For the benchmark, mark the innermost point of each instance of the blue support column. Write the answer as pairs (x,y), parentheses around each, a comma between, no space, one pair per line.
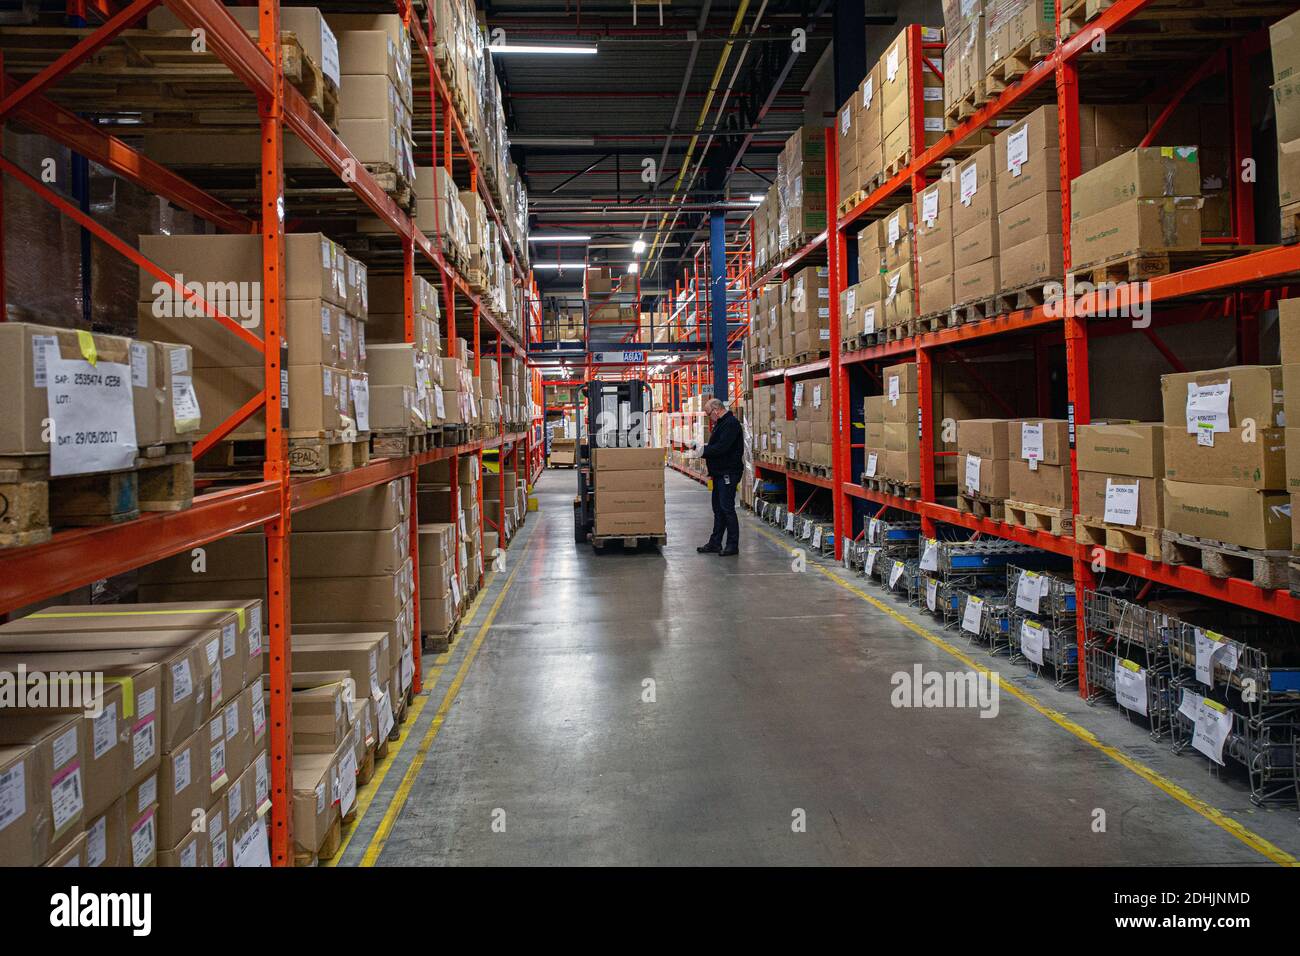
(718,301)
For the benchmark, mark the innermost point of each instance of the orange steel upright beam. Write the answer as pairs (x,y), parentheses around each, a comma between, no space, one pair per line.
(270,108)
(916,65)
(1076,329)
(836,278)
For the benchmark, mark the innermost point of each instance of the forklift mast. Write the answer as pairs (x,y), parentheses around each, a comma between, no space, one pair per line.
(617,416)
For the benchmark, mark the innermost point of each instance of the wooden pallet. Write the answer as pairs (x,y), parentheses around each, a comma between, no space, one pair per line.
(981,506)
(1018,62)
(931,322)
(978,310)
(33,504)
(888,486)
(627,541)
(1054,521)
(1138,266)
(1094,533)
(1219,559)
(1074,15)
(1293,568)
(820,471)
(852,202)
(328,849)
(398,444)
(965,106)
(803,358)
(1291,222)
(158,76)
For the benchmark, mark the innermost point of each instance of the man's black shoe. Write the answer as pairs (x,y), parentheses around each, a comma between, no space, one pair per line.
(728,553)
(709,549)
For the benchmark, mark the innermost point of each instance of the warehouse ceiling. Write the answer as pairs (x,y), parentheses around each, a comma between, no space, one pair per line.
(603,140)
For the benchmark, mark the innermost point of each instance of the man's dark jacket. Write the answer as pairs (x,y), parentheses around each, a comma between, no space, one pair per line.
(724,454)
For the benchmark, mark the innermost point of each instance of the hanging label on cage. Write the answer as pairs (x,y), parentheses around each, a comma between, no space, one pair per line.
(893,390)
(817,537)
(873,531)
(1208,405)
(895,573)
(973,615)
(968,184)
(931,593)
(1212,724)
(1212,649)
(871,465)
(91,411)
(973,474)
(1131,686)
(1031,441)
(930,555)
(1017,149)
(930,206)
(1031,641)
(789,521)
(1121,503)
(1029,591)
(870,564)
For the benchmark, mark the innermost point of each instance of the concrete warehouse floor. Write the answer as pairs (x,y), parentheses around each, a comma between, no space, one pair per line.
(772,695)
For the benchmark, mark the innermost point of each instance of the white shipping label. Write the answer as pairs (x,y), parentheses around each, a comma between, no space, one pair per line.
(1212,649)
(1205,434)
(893,390)
(1030,589)
(181,771)
(894,228)
(1131,686)
(384,709)
(13,793)
(1031,641)
(1017,149)
(437,402)
(360,386)
(891,64)
(869,565)
(105,731)
(930,555)
(798,394)
(817,396)
(65,749)
(868,91)
(252,849)
(1031,441)
(97,843)
(255,631)
(931,593)
(817,537)
(871,464)
(40,374)
(1212,722)
(973,474)
(851,299)
(143,841)
(930,206)
(846,114)
(1121,502)
(180,361)
(1207,405)
(329,54)
(893,284)
(93,415)
(144,741)
(869,319)
(972,617)
(347,781)
(896,573)
(186,415)
(229,640)
(969,179)
(139,365)
(66,797)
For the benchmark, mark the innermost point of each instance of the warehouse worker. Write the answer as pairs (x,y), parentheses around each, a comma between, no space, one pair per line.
(723,456)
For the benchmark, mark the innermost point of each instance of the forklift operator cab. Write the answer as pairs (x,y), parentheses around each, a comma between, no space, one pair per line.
(615,415)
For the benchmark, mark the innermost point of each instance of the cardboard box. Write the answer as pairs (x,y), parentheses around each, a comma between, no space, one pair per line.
(1135,449)
(1255,392)
(189,777)
(1047,485)
(1053,437)
(363,655)
(975,245)
(978,281)
(1143,225)
(375,508)
(1035,218)
(1157,172)
(630,523)
(985,437)
(626,459)
(937,295)
(40,764)
(1150,497)
(1233,515)
(1258,464)
(873,408)
(974,200)
(1288,323)
(899,379)
(992,474)
(1027,159)
(1033,261)
(314,808)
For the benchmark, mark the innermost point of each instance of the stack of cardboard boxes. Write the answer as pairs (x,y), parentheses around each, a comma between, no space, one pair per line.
(1027,183)
(435,505)
(983,461)
(1284,39)
(808,305)
(403,377)
(1143,201)
(439,212)
(629,486)
(1039,471)
(181,737)
(1121,473)
(934,252)
(768,431)
(801,184)
(439,587)
(1019,31)
(324,321)
(1225,455)
(812,424)
(964,55)
(1289,338)
(976,273)
(329,724)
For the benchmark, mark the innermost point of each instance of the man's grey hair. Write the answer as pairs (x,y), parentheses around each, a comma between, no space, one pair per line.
(715,403)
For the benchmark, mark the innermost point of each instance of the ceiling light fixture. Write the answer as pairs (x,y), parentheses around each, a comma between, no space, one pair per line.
(545,48)
(556,237)
(638,247)
(559,265)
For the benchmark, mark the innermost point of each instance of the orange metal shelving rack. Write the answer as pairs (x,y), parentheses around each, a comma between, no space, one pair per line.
(1243,285)
(77,557)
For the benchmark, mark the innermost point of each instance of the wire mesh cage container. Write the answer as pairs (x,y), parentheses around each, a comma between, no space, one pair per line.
(899,576)
(982,618)
(940,599)
(1141,693)
(1240,663)
(1044,647)
(854,553)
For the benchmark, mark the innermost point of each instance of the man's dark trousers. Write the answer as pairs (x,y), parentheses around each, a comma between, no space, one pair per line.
(724,512)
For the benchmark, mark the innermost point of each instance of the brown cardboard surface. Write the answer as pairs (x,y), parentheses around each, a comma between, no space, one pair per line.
(1141,225)
(1046,485)
(1258,464)
(1150,173)
(1150,499)
(1288,312)
(978,281)
(988,438)
(646,500)
(1034,144)
(630,523)
(976,244)
(626,459)
(377,507)
(1036,217)
(1034,261)
(1056,439)
(1136,449)
(980,206)
(994,475)
(1256,392)
(1233,515)
(937,294)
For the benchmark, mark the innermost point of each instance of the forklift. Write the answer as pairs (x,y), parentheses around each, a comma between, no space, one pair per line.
(614,415)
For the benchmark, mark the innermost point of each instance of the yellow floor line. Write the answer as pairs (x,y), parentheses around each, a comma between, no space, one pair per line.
(403,793)
(367,796)
(1192,802)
